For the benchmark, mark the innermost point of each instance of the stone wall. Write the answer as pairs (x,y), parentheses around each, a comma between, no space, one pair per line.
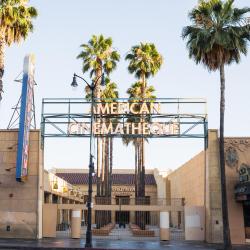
(20,203)
(187,183)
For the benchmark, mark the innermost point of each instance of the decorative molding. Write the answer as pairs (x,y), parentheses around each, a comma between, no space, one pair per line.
(240,144)
(231,147)
(231,157)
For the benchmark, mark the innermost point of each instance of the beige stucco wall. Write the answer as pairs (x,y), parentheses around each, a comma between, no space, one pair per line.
(161,183)
(20,203)
(188,181)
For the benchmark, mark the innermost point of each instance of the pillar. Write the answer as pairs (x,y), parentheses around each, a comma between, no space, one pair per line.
(50,200)
(68,212)
(214,226)
(76,224)
(164,226)
(113,216)
(60,210)
(132,217)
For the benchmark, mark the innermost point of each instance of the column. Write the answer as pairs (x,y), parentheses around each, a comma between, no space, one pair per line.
(113,216)
(164,226)
(76,224)
(214,226)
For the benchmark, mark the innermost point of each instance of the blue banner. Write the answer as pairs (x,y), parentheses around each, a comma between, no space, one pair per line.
(25,119)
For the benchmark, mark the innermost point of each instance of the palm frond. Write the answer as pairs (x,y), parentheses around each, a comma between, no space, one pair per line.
(16,20)
(98,55)
(217,35)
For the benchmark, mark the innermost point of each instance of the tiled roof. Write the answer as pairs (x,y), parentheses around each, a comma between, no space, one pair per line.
(118,179)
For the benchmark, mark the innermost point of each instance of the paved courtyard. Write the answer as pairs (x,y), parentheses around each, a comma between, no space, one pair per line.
(107,244)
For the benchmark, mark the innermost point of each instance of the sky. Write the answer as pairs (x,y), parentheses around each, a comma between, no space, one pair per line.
(62,26)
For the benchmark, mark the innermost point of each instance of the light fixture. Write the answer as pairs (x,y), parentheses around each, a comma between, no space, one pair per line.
(74,84)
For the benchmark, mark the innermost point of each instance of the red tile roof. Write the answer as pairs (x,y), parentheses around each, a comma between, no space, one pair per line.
(118,179)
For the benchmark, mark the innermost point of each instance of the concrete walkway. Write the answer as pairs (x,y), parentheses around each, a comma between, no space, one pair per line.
(107,244)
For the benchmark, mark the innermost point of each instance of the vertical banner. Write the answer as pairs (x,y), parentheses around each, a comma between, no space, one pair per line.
(25,118)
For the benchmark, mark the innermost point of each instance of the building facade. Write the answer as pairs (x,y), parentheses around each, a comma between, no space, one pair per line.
(123,190)
(27,209)
(198,183)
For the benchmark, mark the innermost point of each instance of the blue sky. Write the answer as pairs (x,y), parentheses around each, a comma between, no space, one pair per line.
(60,29)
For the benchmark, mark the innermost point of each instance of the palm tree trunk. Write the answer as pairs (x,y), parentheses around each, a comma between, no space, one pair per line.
(139,169)
(226,230)
(103,166)
(98,168)
(143,168)
(2,50)
(106,166)
(142,180)
(98,179)
(136,170)
(110,174)
(110,166)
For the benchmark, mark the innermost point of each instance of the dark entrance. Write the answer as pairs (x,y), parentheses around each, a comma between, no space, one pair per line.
(246,210)
(122,217)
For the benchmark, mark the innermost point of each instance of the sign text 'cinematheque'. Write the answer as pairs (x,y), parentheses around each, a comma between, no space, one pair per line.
(109,120)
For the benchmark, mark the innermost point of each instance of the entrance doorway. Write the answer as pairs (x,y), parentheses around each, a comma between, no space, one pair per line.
(122,217)
(246,211)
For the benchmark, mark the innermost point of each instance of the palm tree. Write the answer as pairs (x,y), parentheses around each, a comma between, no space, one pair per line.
(135,95)
(144,62)
(98,56)
(15,25)
(110,94)
(217,37)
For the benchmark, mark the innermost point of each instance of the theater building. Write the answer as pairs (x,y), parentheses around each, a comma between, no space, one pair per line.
(74,182)
(29,209)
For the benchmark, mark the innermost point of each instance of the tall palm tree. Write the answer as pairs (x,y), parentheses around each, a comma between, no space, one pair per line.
(110,94)
(15,24)
(98,56)
(144,62)
(135,95)
(217,37)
